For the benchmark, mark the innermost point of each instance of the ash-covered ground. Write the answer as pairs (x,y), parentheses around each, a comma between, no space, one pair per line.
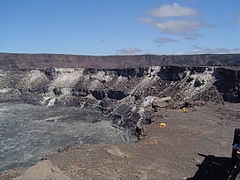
(28,132)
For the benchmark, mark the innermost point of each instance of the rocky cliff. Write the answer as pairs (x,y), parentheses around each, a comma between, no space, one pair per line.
(124,94)
(111,84)
(43,61)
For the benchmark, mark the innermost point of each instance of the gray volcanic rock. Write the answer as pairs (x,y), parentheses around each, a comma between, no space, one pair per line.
(98,94)
(57,91)
(85,87)
(118,95)
(172,73)
(51,73)
(197,83)
(28,133)
(228,83)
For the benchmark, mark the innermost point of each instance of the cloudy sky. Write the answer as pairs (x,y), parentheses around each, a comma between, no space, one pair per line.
(115,27)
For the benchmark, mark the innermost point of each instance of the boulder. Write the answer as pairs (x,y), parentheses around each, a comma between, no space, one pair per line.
(161,102)
(51,73)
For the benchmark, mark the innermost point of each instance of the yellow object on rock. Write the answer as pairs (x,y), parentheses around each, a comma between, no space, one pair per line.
(162,124)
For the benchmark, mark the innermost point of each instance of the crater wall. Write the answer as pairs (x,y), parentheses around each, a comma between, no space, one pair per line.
(124,94)
(43,61)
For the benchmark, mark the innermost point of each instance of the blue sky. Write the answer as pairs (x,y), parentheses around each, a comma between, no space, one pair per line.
(114,27)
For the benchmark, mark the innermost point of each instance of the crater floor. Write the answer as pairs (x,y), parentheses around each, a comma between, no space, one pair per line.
(29,132)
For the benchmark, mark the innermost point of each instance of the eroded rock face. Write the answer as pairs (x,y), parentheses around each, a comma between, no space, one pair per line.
(76,86)
(43,61)
(172,73)
(131,72)
(119,92)
(228,83)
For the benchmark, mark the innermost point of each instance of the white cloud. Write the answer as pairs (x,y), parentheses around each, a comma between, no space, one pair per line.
(130,51)
(162,40)
(181,27)
(238,20)
(173,10)
(186,27)
(215,51)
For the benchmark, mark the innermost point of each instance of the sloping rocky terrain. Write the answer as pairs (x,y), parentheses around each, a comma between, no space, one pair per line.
(123,94)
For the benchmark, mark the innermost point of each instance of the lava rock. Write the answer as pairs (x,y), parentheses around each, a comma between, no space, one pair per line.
(36,90)
(131,72)
(116,119)
(194,70)
(80,92)
(98,94)
(197,83)
(57,91)
(172,73)
(146,120)
(189,79)
(118,95)
(228,84)
(51,73)
(103,81)
(90,71)
(123,110)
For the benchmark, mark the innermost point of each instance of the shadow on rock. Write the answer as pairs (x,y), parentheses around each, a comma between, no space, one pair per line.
(213,168)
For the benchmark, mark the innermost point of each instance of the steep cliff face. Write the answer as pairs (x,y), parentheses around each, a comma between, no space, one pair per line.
(67,86)
(228,84)
(43,61)
(124,94)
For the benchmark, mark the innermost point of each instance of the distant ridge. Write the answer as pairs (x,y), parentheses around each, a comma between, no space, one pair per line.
(43,61)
